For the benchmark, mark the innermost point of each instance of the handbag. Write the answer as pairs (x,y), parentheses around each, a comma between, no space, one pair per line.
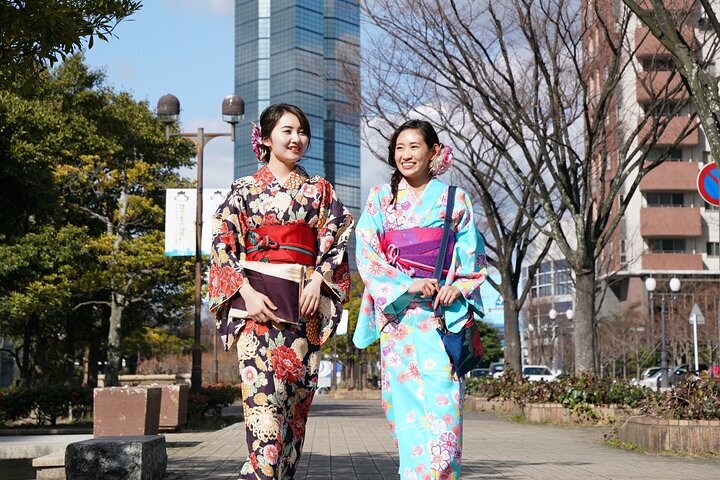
(465,347)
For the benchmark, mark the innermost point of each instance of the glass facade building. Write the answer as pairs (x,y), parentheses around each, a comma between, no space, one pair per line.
(303,52)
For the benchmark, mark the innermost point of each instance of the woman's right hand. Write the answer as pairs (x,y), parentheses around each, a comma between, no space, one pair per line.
(259,306)
(426,287)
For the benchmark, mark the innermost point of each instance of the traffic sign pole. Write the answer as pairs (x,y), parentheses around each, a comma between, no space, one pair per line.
(695,345)
(696,316)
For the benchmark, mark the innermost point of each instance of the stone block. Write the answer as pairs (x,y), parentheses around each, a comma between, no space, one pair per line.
(173,407)
(49,467)
(121,411)
(117,458)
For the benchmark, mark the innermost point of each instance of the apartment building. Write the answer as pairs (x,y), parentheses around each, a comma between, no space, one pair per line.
(667,229)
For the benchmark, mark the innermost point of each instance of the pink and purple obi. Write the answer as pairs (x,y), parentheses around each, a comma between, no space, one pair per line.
(414,251)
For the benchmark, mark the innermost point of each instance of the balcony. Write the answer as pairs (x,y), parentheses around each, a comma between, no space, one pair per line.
(647,46)
(655,85)
(670,222)
(669,132)
(672,261)
(671,177)
(673,5)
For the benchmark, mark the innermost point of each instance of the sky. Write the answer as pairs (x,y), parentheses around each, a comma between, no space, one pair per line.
(186,47)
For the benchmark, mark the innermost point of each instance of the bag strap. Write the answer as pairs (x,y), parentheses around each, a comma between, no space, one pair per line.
(440,262)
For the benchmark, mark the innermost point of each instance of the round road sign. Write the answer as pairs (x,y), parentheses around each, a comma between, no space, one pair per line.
(707,184)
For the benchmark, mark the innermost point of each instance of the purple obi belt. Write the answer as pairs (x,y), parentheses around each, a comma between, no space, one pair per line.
(414,251)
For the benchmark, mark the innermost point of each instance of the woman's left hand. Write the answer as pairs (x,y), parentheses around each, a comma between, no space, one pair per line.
(310,297)
(447,295)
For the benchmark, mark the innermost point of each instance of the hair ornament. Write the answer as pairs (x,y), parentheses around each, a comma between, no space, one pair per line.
(442,162)
(256,141)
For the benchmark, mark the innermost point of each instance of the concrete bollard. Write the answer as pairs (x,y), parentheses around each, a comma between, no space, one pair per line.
(123,411)
(173,407)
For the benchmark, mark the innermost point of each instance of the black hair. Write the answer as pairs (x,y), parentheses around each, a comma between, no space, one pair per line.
(270,118)
(429,135)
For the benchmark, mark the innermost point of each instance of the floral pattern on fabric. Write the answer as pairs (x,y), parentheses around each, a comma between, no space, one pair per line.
(278,363)
(278,383)
(258,201)
(421,395)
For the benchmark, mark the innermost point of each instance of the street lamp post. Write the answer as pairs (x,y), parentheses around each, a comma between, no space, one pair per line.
(569,314)
(650,284)
(168,111)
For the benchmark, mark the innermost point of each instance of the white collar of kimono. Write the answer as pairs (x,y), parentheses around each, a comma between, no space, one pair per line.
(434,188)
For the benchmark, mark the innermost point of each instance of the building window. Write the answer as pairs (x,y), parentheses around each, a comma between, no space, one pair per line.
(667,245)
(673,155)
(663,199)
(658,65)
(713,249)
(668,109)
(623,252)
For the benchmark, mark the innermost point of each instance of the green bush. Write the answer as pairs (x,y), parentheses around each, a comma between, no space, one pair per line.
(46,403)
(14,405)
(573,392)
(693,399)
(213,398)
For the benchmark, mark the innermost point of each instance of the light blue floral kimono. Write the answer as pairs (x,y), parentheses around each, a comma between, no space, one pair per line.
(421,395)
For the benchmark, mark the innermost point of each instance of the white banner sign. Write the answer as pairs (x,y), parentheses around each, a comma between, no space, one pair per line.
(180,219)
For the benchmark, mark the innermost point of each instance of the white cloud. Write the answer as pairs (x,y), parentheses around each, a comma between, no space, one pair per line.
(373,172)
(214,7)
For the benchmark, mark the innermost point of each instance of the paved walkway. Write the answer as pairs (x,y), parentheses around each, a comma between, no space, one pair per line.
(349,440)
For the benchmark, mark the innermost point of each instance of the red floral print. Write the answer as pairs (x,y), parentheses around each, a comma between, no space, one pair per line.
(287,364)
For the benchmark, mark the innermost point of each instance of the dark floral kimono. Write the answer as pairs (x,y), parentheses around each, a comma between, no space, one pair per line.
(278,361)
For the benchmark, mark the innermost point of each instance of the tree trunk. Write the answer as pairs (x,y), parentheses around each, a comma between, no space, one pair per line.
(584,328)
(117,302)
(26,368)
(513,355)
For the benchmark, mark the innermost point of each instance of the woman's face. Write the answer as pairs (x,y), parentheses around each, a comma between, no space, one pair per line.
(287,141)
(413,155)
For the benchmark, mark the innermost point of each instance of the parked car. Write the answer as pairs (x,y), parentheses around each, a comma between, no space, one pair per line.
(651,381)
(496,368)
(535,373)
(479,372)
(645,377)
(686,370)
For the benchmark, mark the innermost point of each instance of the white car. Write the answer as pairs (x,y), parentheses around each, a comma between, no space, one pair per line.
(651,381)
(535,373)
(648,378)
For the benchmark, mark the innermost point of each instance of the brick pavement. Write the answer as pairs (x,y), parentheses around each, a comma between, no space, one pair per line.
(349,440)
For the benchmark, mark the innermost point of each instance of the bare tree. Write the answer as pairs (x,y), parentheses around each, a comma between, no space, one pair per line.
(537,80)
(388,99)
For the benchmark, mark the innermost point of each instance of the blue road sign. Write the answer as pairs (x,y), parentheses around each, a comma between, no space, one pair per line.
(707,184)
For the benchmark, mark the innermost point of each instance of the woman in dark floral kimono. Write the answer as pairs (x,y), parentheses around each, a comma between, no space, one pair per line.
(278,277)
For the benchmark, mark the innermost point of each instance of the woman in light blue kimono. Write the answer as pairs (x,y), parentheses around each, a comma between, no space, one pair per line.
(398,239)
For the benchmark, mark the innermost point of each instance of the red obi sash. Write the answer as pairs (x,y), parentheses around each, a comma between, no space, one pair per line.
(414,251)
(292,243)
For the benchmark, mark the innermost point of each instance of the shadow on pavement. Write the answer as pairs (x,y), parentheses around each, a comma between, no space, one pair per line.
(355,408)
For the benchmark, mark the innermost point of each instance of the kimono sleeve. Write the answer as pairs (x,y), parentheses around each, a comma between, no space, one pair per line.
(386,284)
(334,229)
(226,274)
(470,265)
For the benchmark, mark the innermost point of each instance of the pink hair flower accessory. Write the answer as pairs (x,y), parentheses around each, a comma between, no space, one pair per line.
(256,141)
(442,162)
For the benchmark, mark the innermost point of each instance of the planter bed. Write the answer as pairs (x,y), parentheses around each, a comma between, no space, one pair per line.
(661,434)
(553,413)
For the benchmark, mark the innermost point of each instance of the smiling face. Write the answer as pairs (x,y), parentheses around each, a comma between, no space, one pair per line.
(287,141)
(413,156)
